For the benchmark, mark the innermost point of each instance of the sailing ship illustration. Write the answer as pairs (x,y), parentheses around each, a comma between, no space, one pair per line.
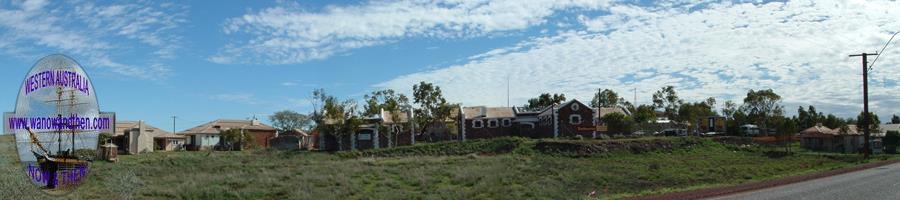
(61,168)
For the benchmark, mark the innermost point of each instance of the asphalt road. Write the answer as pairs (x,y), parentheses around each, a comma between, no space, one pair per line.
(876,183)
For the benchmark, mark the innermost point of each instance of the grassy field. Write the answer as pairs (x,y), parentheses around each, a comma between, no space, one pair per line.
(507,168)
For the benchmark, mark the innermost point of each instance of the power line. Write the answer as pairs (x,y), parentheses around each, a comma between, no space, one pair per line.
(882,50)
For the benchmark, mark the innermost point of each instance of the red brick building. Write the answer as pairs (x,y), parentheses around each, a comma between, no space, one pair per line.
(566,120)
(486,122)
(207,135)
(563,120)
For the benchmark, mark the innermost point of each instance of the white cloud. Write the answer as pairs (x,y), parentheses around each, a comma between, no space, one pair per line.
(798,48)
(288,34)
(102,34)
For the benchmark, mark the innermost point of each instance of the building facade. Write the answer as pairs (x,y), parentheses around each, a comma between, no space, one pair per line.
(567,120)
(385,129)
(486,122)
(135,137)
(206,136)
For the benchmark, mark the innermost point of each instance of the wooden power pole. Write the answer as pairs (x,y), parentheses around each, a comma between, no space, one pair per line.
(865,120)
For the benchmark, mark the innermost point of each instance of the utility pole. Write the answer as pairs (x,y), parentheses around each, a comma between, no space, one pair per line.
(635,98)
(865,119)
(173,124)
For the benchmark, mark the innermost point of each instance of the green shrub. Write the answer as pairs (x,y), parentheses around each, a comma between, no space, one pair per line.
(481,146)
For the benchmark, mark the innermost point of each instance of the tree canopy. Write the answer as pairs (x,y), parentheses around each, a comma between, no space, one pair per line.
(232,137)
(432,107)
(544,100)
(644,113)
(333,116)
(691,112)
(385,99)
(389,101)
(287,120)
(762,105)
(873,124)
(617,122)
(667,99)
(606,98)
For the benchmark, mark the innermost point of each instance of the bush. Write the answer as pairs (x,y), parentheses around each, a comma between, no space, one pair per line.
(890,141)
(482,146)
(635,146)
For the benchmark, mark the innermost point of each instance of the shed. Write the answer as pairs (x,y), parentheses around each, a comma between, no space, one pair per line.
(109,152)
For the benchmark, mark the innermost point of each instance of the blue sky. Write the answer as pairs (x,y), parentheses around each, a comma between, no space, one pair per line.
(204,60)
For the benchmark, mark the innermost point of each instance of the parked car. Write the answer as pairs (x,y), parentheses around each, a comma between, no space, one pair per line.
(750,130)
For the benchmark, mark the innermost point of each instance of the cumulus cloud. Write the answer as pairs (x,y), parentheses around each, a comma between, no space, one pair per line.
(718,49)
(102,34)
(289,34)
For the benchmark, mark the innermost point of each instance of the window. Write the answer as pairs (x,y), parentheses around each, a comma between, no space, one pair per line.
(575,119)
(365,136)
(507,122)
(575,107)
(477,124)
(493,123)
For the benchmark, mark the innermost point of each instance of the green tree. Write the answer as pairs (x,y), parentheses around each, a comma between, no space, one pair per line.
(390,101)
(617,123)
(343,120)
(895,119)
(644,113)
(606,98)
(544,100)
(761,106)
(729,109)
(873,125)
(711,102)
(319,98)
(815,117)
(692,112)
(891,140)
(287,120)
(233,138)
(334,117)
(787,127)
(833,121)
(803,118)
(432,107)
(738,118)
(667,99)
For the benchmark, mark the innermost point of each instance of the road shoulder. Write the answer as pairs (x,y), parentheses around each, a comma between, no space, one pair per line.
(747,187)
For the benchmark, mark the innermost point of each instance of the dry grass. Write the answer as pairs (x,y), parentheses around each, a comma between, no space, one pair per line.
(527,175)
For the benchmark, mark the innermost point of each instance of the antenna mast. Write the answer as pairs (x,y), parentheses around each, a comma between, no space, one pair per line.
(507,90)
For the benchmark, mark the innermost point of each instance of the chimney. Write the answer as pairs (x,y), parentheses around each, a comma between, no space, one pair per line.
(254,122)
(818,124)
